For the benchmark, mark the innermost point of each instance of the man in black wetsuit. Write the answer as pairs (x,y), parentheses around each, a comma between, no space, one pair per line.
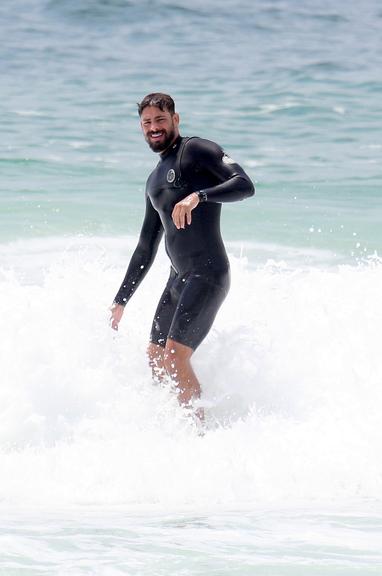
(184,194)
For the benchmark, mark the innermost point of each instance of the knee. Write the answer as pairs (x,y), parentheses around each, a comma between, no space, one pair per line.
(176,357)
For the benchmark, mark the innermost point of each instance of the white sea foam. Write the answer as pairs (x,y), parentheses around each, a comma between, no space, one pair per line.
(270,108)
(291,374)
(29,113)
(79,144)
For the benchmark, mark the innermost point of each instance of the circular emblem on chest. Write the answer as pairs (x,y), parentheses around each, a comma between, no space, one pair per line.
(171,175)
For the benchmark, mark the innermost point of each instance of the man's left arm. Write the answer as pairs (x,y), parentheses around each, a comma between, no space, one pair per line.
(234,184)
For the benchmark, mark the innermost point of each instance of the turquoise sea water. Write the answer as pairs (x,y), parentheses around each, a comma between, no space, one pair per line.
(290,89)
(102,473)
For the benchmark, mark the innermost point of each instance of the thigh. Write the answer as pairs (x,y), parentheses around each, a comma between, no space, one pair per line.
(196,310)
(165,311)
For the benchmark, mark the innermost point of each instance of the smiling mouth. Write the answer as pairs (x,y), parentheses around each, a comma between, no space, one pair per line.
(157,135)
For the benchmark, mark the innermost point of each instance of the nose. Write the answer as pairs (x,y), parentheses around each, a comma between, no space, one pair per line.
(154,126)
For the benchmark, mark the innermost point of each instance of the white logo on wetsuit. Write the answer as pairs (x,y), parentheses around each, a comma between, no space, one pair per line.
(227,160)
(171,175)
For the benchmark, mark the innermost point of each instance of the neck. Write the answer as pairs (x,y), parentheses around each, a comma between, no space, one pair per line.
(164,152)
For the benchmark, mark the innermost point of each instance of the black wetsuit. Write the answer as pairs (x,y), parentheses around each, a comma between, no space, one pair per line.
(199,278)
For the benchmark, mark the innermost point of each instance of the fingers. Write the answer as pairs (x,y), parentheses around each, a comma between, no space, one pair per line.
(116,315)
(181,214)
(113,321)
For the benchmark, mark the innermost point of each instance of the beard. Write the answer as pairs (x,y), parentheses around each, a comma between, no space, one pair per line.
(162,145)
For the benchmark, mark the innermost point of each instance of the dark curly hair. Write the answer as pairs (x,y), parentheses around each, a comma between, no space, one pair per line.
(161,101)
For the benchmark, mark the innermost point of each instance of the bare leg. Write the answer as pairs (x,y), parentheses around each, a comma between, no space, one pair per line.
(174,361)
(155,355)
(178,366)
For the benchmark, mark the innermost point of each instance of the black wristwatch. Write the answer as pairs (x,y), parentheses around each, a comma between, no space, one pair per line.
(202,195)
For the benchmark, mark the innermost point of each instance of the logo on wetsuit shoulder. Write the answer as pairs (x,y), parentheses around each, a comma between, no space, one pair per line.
(171,176)
(227,160)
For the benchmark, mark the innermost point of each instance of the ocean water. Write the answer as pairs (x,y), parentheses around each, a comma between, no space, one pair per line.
(101,472)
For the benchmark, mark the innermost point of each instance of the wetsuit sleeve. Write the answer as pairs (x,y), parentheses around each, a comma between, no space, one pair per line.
(144,254)
(234,184)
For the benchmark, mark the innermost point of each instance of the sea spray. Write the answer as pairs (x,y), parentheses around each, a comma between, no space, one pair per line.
(291,376)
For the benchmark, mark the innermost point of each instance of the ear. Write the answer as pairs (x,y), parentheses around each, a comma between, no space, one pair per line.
(176,119)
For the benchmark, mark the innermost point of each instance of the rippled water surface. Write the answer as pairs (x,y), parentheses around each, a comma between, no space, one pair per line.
(101,472)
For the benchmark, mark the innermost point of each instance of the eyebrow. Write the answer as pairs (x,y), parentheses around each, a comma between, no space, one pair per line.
(159,117)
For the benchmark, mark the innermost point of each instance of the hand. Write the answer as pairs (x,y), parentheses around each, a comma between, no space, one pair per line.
(181,215)
(117,311)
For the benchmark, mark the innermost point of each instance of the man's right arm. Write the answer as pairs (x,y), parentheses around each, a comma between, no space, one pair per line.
(143,256)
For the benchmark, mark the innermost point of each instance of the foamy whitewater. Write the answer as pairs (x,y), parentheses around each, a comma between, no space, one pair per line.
(101,472)
(291,377)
